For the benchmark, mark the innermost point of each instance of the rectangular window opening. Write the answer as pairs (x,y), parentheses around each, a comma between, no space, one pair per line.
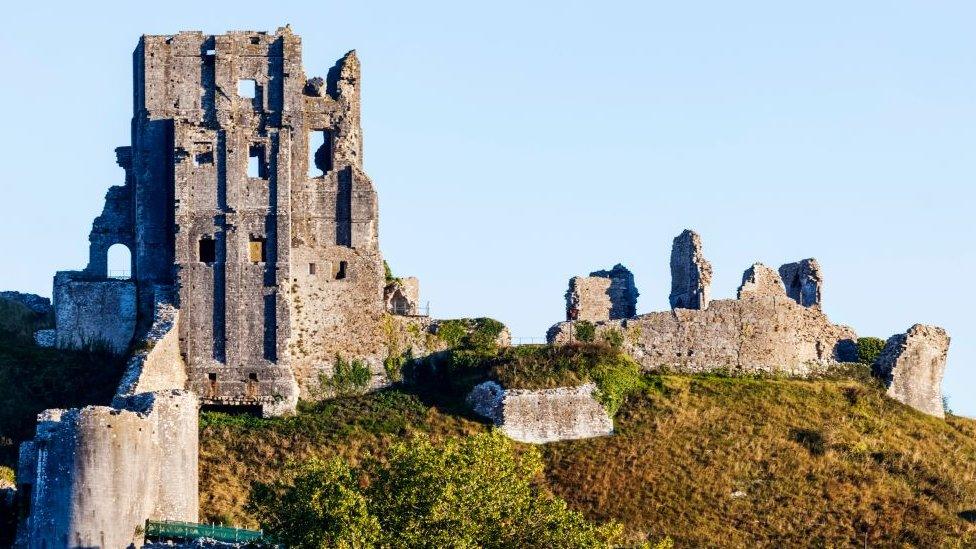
(319,152)
(252,377)
(256,249)
(212,377)
(247,88)
(204,157)
(256,167)
(207,250)
(311,268)
(340,272)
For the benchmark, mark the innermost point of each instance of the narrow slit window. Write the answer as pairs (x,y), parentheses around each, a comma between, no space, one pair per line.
(255,162)
(311,268)
(247,88)
(319,152)
(340,272)
(256,249)
(207,250)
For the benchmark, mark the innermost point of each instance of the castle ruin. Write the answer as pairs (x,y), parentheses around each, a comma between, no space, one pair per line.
(245,192)
(774,326)
(255,266)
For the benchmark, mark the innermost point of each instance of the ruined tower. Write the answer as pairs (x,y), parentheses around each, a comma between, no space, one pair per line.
(244,192)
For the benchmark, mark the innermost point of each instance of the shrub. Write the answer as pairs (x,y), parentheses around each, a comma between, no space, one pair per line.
(584,330)
(868,349)
(615,374)
(322,507)
(394,363)
(474,491)
(348,377)
(614,338)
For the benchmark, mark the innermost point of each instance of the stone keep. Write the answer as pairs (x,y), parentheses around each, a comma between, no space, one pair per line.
(244,190)
(691,273)
(603,295)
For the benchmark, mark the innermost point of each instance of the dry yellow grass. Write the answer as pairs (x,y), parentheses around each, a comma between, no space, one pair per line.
(709,461)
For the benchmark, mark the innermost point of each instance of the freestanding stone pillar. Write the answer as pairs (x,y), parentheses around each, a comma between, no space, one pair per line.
(691,273)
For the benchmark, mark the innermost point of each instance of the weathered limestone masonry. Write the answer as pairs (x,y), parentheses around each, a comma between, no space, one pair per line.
(912,365)
(255,264)
(542,415)
(402,296)
(603,295)
(92,476)
(691,273)
(93,311)
(766,330)
(244,191)
(804,281)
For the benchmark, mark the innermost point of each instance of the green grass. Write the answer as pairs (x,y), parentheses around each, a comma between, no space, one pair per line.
(707,460)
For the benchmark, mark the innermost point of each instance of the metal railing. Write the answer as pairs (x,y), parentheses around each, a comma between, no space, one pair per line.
(188,531)
(410,310)
(516,341)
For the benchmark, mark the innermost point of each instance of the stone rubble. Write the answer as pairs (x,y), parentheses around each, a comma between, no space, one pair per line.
(539,416)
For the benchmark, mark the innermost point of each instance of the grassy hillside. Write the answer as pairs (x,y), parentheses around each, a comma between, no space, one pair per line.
(705,460)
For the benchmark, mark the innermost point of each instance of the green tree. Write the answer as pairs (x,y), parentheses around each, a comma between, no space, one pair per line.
(868,349)
(477,491)
(321,507)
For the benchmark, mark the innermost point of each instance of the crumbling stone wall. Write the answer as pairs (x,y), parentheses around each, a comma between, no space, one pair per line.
(762,331)
(157,364)
(912,365)
(803,281)
(750,335)
(603,295)
(760,281)
(542,415)
(93,311)
(95,474)
(402,296)
(691,273)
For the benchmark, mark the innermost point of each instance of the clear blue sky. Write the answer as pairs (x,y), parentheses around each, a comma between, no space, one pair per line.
(517,145)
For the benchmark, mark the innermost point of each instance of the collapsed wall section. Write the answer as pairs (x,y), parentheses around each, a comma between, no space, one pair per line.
(91,477)
(603,295)
(912,365)
(803,281)
(542,415)
(94,475)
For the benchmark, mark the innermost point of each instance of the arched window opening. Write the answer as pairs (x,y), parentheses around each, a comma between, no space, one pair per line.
(119,262)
